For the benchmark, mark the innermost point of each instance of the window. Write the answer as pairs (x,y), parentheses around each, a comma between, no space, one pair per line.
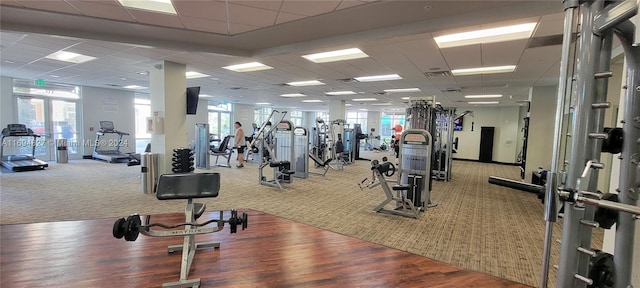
(220,120)
(260,115)
(357,118)
(388,122)
(296,118)
(142,111)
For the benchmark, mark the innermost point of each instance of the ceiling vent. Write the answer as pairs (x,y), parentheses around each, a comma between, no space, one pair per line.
(237,88)
(451,90)
(281,85)
(550,40)
(442,73)
(112,85)
(381,93)
(347,80)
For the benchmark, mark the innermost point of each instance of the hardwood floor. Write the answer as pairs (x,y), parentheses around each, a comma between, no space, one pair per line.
(272,252)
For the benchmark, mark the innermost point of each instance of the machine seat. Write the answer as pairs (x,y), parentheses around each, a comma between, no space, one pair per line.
(278,164)
(188,186)
(400,187)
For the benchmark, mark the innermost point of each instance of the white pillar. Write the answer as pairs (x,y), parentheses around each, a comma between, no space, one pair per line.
(168,85)
(542,115)
(7,115)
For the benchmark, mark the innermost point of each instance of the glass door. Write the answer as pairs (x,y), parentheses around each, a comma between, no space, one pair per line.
(225,124)
(32,112)
(52,119)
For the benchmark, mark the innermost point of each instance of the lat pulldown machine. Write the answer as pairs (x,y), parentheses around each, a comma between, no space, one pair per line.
(580,265)
(183,186)
(268,147)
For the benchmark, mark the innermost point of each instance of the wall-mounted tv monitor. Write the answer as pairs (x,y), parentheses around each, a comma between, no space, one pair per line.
(457,124)
(192,100)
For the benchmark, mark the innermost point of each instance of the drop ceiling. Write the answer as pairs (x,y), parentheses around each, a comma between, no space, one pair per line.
(207,35)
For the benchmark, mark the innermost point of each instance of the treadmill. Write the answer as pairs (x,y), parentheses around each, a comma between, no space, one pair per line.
(22,162)
(101,150)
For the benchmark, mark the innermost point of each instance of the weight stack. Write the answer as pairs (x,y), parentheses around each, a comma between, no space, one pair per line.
(183,160)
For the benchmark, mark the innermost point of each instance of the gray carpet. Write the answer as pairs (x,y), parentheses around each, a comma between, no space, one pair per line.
(477,226)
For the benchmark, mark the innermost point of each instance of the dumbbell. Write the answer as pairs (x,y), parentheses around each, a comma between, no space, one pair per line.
(234,221)
(127,228)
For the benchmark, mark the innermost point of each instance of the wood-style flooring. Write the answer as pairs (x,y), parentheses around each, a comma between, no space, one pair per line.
(272,252)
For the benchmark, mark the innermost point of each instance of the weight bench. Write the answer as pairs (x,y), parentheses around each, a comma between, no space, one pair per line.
(224,151)
(324,165)
(183,186)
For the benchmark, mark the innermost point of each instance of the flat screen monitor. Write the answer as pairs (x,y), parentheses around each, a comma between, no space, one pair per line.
(192,100)
(457,124)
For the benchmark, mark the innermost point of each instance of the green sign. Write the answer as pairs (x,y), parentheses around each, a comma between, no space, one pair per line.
(40,82)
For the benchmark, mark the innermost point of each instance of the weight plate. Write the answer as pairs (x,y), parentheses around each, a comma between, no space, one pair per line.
(119,228)
(133,223)
(602,271)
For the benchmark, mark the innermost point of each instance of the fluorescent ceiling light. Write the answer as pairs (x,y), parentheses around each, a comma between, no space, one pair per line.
(405,98)
(160,6)
(362,109)
(492,35)
(134,87)
(484,103)
(348,104)
(305,83)
(262,103)
(380,104)
(67,56)
(311,101)
(337,93)
(402,90)
(484,96)
(483,70)
(194,74)
(292,95)
(365,99)
(206,96)
(248,67)
(337,55)
(378,78)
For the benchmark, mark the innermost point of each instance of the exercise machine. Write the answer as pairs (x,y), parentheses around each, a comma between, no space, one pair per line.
(444,142)
(265,140)
(184,187)
(101,149)
(20,162)
(415,167)
(223,150)
(421,116)
(404,206)
(573,182)
(320,142)
(301,152)
(202,146)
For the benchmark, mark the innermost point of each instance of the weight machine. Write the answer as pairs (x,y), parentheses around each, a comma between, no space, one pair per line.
(404,206)
(421,115)
(580,265)
(183,186)
(320,142)
(301,152)
(415,167)
(267,146)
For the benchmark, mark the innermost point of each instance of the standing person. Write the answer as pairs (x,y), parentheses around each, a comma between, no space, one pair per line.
(240,143)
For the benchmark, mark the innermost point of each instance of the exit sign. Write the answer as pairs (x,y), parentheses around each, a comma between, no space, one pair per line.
(40,82)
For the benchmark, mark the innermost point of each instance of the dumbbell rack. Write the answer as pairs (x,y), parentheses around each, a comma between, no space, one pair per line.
(599,21)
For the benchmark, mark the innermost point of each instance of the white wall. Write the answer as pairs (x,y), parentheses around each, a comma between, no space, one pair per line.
(504,119)
(541,127)
(7,115)
(111,105)
(243,113)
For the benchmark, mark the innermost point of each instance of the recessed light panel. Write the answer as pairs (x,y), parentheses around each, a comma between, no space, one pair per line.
(387,77)
(263,103)
(248,67)
(305,83)
(337,55)
(483,70)
(71,57)
(483,96)
(338,93)
(312,101)
(364,99)
(484,36)
(402,90)
(158,6)
(484,103)
(293,95)
(194,75)
(136,87)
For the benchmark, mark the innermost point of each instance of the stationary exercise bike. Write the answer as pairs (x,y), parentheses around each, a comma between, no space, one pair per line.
(404,205)
(183,186)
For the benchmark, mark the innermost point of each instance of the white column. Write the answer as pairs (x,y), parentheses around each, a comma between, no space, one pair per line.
(168,85)
(7,115)
(336,109)
(542,116)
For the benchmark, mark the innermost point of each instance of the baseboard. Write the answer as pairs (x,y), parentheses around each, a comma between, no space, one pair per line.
(493,162)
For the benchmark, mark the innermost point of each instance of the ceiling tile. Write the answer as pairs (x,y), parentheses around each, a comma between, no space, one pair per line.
(309,8)
(206,9)
(263,4)
(158,19)
(101,10)
(237,28)
(550,25)
(284,17)
(503,53)
(205,25)
(51,5)
(463,57)
(13,3)
(251,16)
(349,4)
